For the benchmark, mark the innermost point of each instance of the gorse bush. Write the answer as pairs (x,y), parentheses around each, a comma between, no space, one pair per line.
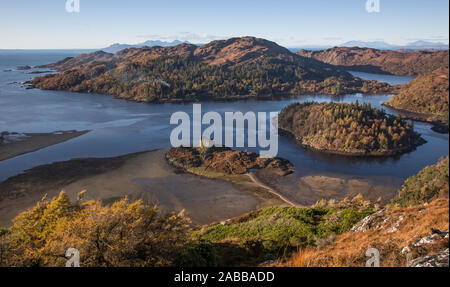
(132,234)
(3,231)
(123,234)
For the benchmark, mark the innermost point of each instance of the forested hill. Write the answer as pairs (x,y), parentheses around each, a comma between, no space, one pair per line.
(233,68)
(426,95)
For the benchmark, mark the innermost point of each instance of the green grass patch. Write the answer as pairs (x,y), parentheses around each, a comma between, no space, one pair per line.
(286,227)
(217,175)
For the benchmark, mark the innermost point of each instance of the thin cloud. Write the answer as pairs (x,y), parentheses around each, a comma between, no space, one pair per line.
(438,38)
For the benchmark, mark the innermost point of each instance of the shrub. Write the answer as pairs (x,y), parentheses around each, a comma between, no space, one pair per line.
(123,234)
(3,231)
(429,183)
(286,228)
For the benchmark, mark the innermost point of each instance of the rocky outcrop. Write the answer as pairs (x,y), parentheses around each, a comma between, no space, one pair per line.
(440,259)
(369,222)
(383,221)
(23,68)
(436,238)
(380,220)
(433,238)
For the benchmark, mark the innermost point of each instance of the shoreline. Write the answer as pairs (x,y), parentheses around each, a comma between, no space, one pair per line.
(418,141)
(237,178)
(266,97)
(31,142)
(149,177)
(437,126)
(232,98)
(142,176)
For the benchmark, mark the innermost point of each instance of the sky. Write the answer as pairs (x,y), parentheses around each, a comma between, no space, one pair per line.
(46,24)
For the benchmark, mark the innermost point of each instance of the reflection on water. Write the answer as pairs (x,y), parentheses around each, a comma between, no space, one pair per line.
(120,127)
(390,79)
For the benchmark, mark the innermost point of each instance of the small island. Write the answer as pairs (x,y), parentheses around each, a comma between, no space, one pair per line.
(223,161)
(347,129)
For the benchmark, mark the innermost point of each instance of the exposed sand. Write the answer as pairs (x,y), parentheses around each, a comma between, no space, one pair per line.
(308,189)
(35,141)
(144,176)
(147,176)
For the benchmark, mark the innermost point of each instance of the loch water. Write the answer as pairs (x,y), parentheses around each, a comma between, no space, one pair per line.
(119,127)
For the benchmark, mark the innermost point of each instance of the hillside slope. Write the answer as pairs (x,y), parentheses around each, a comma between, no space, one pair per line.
(427,95)
(413,231)
(381,61)
(429,183)
(233,68)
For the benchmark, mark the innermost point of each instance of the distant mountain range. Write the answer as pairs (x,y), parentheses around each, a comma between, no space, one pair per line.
(417,45)
(381,45)
(117,46)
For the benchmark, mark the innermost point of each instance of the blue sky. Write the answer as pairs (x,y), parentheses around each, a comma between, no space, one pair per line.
(43,24)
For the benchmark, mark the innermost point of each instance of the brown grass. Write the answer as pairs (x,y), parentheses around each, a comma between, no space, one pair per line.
(349,249)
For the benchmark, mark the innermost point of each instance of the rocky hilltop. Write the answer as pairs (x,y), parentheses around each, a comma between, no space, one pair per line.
(226,69)
(426,97)
(381,61)
(238,50)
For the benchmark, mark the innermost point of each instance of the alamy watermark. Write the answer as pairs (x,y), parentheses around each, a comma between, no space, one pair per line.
(374,257)
(373,6)
(74,257)
(258,133)
(374,260)
(73,6)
